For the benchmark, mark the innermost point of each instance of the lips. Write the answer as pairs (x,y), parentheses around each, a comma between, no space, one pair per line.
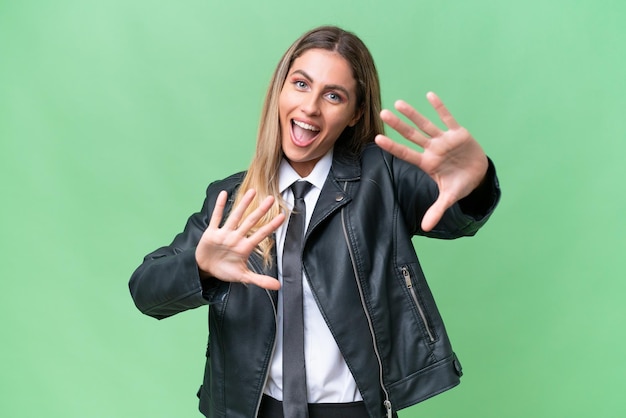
(302,133)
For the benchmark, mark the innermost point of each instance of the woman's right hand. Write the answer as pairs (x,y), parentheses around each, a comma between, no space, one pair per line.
(223,252)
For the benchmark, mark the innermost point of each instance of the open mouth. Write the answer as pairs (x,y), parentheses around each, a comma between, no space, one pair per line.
(302,133)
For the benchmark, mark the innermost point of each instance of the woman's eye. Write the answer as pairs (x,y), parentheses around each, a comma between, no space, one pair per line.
(334,97)
(300,84)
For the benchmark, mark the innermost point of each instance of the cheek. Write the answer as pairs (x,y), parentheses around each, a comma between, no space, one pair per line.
(283,104)
(281,107)
(342,121)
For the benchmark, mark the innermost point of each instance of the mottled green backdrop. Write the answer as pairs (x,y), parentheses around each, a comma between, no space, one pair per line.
(115,115)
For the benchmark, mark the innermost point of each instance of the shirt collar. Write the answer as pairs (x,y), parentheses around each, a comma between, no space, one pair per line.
(287,175)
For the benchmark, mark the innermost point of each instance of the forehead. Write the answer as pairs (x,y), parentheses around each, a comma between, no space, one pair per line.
(324,67)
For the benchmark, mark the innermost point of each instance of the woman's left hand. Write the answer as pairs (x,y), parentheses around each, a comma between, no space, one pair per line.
(452,157)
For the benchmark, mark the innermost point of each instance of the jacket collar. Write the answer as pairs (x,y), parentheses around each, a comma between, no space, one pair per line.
(345,168)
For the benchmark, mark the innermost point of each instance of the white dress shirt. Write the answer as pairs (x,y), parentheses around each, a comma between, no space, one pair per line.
(327,375)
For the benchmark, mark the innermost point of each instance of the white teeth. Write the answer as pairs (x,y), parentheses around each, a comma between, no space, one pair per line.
(306,126)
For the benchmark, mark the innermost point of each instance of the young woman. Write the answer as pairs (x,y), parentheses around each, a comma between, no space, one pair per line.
(374,341)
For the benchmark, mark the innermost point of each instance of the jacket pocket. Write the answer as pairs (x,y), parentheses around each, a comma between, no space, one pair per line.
(407,276)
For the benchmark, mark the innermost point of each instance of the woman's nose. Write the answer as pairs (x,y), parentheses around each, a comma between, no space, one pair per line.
(311,106)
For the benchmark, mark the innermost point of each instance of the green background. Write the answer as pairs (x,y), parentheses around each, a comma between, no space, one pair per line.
(115,115)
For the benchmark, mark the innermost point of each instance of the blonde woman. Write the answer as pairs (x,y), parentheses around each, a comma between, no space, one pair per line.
(368,337)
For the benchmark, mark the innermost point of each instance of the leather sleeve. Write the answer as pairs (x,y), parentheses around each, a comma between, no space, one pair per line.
(483,200)
(168,280)
(416,192)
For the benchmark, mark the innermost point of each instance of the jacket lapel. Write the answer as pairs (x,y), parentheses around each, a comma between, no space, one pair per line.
(333,196)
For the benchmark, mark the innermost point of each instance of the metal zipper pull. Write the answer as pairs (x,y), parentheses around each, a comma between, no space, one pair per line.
(407,277)
(409,285)
(387,404)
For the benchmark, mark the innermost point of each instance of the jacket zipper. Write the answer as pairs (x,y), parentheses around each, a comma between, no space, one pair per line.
(409,285)
(386,402)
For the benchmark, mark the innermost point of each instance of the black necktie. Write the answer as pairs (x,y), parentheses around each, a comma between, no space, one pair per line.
(294,372)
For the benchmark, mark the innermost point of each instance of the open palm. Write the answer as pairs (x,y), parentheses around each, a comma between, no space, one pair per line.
(223,251)
(452,157)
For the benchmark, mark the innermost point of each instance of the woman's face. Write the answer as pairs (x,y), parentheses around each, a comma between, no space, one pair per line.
(316,103)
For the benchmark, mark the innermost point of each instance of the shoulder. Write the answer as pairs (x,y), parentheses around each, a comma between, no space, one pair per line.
(230,184)
(373,155)
(373,163)
(376,161)
(368,161)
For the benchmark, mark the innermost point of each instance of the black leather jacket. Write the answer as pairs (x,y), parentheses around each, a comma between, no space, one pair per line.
(364,274)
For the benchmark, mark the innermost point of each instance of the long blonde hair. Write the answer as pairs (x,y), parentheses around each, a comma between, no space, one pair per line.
(262,175)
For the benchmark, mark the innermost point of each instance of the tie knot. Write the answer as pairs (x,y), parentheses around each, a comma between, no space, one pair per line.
(300,189)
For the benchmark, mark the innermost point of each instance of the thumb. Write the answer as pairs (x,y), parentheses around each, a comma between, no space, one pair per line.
(434,213)
(262,281)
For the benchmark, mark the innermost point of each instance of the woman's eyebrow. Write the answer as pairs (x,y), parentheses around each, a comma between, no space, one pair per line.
(328,86)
